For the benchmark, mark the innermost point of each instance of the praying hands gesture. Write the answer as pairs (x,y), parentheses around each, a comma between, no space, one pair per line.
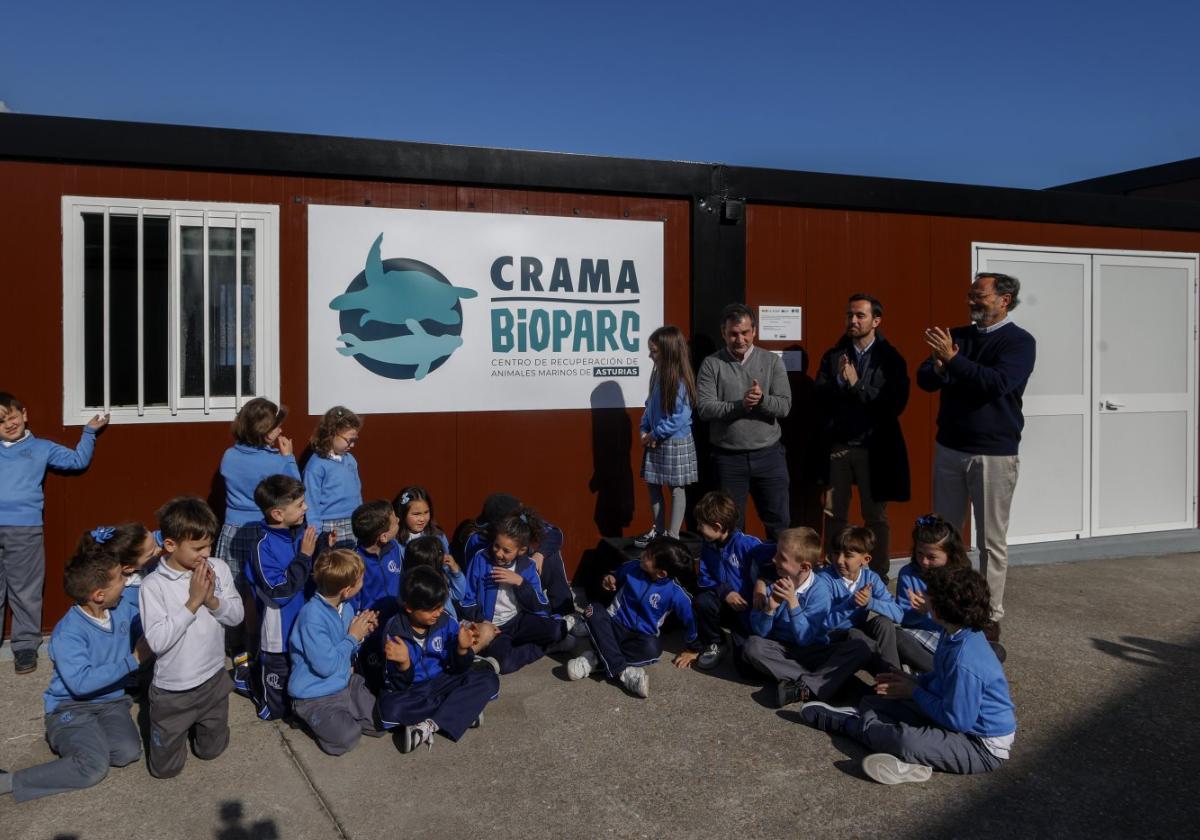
(363,624)
(847,371)
(753,395)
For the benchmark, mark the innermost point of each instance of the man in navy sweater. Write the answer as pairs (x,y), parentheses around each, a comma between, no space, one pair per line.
(981,371)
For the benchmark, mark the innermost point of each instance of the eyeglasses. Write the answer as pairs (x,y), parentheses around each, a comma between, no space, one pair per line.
(348,441)
(976,296)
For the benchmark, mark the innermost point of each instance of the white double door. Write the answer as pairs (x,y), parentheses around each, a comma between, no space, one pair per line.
(1109,445)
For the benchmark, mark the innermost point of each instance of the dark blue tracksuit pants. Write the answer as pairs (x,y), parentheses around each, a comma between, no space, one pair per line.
(524,639)
(452,701)
(617,646)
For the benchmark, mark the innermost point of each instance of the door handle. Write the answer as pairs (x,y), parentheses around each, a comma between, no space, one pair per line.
(1113,406)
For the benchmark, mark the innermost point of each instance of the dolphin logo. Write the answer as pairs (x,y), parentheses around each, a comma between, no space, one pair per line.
(420,348)
(395,297)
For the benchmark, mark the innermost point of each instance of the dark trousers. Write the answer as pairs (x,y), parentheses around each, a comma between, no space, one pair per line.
(89,738)
(899,728)
(268,685)
(369,662)
(175,714)
(896,647)
(617,646)
(524,639)
(452,701)
(823,669)
(763,474)
(712,613)
(556,584)
(22,575)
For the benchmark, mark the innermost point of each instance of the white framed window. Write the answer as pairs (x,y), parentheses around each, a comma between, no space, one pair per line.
(170,309)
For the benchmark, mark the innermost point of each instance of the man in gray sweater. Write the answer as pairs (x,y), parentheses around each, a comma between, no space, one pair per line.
(743,394)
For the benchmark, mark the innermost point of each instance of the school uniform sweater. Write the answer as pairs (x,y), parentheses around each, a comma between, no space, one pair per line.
(243,467)
(278,572)
(982,389)
(23,471)
(662,425)
(844,612)
(188,647)
(332,488)
(430,656)
(90,662)
(381,580)
(479,602)
(966,691)
(910,578)
(321,649)
(643,603)
(727,568)
(802,625)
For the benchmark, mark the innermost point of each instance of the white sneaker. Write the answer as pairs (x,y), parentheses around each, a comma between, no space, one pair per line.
(491,662)
(581,666)
(889,770)
(636,680)
(644,539)
(418,734)
(710,657)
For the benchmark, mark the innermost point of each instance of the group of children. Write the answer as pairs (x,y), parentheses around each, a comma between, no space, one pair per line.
(353,618)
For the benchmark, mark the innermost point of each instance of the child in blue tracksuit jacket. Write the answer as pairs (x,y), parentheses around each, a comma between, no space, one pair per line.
(959,718)
(277,571)
(429,551)
(87,711)
(375,527)
(545,550)
(504,590)
(327,695)
(791,644)
(429,685)
(726,579)
(625,637)
(23,463)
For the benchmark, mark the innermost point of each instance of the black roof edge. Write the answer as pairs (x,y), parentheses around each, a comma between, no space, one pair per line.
(114,143)
(1122,183)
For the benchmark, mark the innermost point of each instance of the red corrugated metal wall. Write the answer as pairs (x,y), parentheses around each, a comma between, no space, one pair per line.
(546,458)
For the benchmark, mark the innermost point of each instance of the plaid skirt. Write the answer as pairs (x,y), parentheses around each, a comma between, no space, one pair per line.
(224,544)
(343,534)
(673,462)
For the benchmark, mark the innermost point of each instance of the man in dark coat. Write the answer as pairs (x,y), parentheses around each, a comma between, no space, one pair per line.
(863,385)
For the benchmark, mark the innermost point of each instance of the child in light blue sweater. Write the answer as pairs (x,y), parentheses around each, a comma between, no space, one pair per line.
(332,487)
(24,459)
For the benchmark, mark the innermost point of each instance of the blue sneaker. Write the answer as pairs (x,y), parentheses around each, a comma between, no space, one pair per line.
(827,718)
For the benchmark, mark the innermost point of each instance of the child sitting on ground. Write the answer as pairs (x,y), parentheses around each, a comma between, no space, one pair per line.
(327,695)
(625,637)
(375,526)
(87,711)
(959,718)
(429,685)
(858,591)
(936,544)
(277,572)
(186,603)
(414,507)
(429,551)
(504,590)
(791,640)
(726,580)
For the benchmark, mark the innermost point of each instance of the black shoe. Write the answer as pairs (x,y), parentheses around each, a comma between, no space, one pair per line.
(25,661)
(827,718)
(792,691)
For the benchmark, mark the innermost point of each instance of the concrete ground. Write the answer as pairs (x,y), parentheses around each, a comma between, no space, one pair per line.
(1103,668)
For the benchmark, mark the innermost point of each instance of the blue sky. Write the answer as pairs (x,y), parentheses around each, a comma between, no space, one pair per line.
(1022,93)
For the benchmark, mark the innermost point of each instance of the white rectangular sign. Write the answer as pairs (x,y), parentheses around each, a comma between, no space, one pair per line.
(428,310)
(779,323)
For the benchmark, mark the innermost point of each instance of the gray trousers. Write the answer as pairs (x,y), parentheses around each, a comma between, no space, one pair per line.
(848,467)
(987,483)
(822,668)
(339,720)
(174,715)
(22,574)
(89,738)
(899,728)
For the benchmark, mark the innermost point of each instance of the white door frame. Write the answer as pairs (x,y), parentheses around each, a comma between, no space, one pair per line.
(1090,500)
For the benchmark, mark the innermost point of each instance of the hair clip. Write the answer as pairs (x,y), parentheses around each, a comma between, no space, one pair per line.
(103,534)
(524,519)
(157,538)
(405,498)
(928,519)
